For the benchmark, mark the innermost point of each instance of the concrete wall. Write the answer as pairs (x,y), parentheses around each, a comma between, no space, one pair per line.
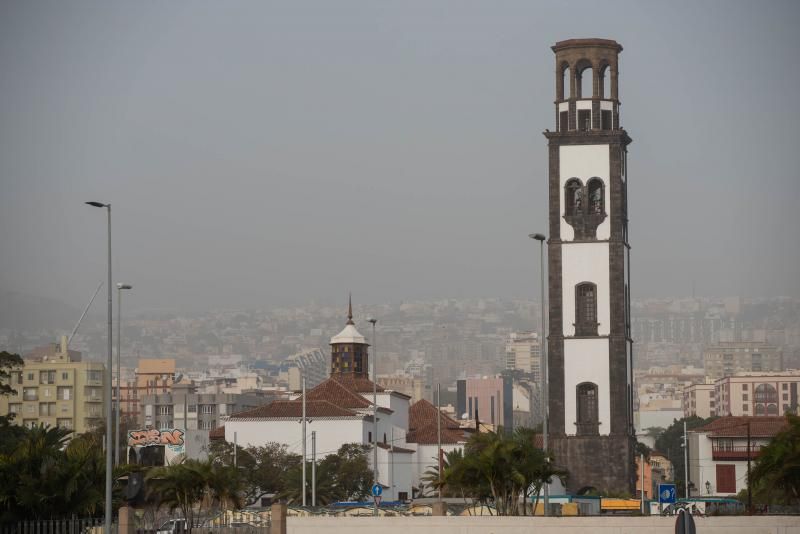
(540,525)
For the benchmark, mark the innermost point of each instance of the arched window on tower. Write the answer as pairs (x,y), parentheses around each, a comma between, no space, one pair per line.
(596,196)
(587,411)
(583,78)
(586,309)
(566,86)
(573,197)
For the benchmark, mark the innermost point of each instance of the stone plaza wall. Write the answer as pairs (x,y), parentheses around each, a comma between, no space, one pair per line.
(540,525)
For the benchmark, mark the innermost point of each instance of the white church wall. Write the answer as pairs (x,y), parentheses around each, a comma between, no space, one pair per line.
(585,262)
(584,162)
(331,433)
(586,360)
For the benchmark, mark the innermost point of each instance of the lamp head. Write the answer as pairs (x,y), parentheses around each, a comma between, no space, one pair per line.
(124,286)
(372,320)
(537,237)
(97,204)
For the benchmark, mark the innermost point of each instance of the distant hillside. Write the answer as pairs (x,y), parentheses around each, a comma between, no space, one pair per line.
(19,311)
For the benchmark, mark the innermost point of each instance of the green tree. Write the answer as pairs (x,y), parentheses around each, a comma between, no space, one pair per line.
(670,442)
(505,469)
(776,474)
(8,362)
(343,476)
(264,470)
(178,487)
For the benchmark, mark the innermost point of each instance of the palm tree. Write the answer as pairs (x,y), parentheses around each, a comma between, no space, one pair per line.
(777,469)
(178,486)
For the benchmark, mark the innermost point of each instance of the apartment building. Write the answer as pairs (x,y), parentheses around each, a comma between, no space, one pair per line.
(757,394)
(55,388)
(186,409)
(728,358)
(698,399)
(523,353)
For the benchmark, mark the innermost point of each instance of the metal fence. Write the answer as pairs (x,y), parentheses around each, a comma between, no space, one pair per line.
(53,526)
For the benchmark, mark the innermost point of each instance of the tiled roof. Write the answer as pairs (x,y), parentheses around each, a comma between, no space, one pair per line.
(339,393)
(217,433)
(359,384)
(294,408)
(423,412)
(422,427)
(760,426)
(428,435)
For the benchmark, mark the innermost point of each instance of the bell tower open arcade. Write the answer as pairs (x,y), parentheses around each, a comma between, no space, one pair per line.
(590,346)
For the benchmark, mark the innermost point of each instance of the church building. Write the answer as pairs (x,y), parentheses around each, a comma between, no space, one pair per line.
(589,341)
(340,411)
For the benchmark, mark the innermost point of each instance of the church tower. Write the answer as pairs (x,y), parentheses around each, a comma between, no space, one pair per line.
(590,346)
(349,350)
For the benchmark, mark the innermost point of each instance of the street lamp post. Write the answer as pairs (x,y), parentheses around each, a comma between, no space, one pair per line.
(109,366)
(374,408)
(543,359)
(120,287)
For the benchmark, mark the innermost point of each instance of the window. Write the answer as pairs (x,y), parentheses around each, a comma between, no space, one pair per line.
(165,410)
(726,478)
(403,495)
(15,408)
(207,408)
(30,394)
(192,408)
(744,387)
(604,82)
(65,423)
(369,437)
(583,78)
(30,376)
(65,376)
(605,119)
(563,121)
(573,197)
(584,119)
(772,409)
(596,200)
(96,376)
(785,387)
(744,408)
(47,377)
(786,396)
(766,393)
(587,409)
(586,309)
(744,397)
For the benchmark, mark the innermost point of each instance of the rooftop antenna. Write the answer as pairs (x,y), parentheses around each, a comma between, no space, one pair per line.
(96,291)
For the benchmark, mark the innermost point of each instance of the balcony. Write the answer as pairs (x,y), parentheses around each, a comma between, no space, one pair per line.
(734,452)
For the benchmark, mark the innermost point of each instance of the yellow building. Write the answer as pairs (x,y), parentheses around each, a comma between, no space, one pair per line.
(56,388)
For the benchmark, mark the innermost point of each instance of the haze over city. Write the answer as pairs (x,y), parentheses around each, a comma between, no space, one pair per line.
(288,152)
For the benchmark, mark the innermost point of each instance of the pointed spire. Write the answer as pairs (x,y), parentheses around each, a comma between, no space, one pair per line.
(350,310)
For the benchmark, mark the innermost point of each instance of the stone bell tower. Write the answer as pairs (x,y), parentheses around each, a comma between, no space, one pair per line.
(590,346)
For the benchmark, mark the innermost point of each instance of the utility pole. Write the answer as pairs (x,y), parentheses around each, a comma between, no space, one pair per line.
(304,441)
(749,492)
(685,462)
(439,434)
(313,468)
(374,410)
(235,451)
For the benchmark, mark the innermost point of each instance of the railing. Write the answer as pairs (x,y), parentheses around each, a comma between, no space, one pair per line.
(734,452)
(52,526)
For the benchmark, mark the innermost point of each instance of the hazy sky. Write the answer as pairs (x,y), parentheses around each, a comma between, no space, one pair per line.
(259,153)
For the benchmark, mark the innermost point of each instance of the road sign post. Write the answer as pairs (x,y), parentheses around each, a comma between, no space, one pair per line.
(377,492)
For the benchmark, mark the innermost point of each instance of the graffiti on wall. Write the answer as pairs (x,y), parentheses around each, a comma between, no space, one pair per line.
(150,437)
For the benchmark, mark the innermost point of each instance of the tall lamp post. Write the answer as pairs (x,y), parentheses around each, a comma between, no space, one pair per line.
(543,359)
(120,287)
(374,408)
(109,366)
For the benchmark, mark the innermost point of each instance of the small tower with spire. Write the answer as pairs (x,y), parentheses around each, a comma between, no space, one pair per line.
(349,350)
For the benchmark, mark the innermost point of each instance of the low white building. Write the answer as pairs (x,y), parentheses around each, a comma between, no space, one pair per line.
(339,410)
(718,452)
